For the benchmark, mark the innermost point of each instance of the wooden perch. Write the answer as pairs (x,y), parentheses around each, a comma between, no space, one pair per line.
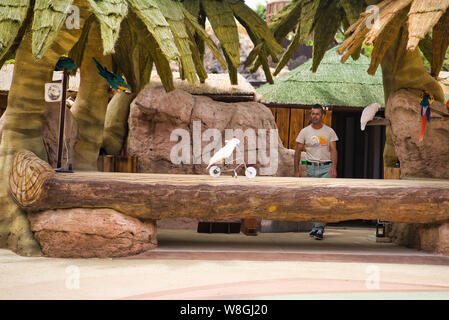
(378,121)
(35,186)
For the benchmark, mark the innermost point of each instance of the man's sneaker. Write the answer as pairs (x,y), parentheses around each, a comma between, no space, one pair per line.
(318,235)
(312,233)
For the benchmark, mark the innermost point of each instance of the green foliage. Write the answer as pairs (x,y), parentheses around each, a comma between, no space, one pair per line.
(261,11)
(110,14)
(367,50)
(49,16)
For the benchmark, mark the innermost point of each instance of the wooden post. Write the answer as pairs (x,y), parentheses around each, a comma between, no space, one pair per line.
(109,163)
(249,227)
(392,173)
(65,83)
(126,164)
(389,173)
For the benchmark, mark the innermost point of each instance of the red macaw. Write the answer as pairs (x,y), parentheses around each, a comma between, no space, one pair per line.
(426,100)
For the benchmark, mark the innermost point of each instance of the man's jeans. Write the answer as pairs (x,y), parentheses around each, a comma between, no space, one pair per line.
(319,172)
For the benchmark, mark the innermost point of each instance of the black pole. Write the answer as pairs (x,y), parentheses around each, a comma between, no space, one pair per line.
(65,79)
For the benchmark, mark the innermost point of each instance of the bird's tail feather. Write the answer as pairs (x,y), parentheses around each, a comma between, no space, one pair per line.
(99,66)
(423,128)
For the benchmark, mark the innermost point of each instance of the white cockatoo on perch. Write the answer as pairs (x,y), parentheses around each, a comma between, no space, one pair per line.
(368,114)
(224,152)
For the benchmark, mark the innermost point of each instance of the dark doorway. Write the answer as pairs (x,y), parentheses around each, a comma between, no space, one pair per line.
(360,153)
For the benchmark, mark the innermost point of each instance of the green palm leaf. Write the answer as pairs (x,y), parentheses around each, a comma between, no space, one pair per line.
(150,14)
(192,22)
(49,16)
(12,15)
(256,24)
(175,18)
(222,21)
(110,14)
(324,32)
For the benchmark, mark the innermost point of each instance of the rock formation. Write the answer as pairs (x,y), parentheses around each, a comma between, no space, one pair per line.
(426,159)
(87,233)
(430,157)
(164,126)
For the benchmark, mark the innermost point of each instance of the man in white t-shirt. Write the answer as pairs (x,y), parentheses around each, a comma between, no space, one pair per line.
(320,142)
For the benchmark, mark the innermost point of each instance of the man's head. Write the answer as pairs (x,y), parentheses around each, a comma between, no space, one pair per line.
(317,114)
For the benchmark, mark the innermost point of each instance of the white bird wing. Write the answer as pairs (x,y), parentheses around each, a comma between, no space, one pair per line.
(368,114)
(222,154)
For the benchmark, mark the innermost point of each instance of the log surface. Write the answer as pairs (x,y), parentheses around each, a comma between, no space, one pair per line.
(36,187)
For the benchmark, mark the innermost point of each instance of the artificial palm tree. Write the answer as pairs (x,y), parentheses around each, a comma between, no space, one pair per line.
(129,37)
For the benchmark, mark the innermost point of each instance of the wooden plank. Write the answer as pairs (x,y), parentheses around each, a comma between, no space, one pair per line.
(307,117)
(109,163)
(283,123)
(296,124)
(249,227)
(327,120)
(126,164)
(392,173)
(273,111)
(35,186)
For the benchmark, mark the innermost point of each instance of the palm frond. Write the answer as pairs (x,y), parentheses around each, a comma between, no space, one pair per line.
(15,16)
(222,21)
(150,14)
(49,16)
(175,18)
(324,32)
(256,25)
(191,20)
(110,14)
(12,15)
(440,43)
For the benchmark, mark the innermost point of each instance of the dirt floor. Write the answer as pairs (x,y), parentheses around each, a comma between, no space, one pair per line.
(347,264)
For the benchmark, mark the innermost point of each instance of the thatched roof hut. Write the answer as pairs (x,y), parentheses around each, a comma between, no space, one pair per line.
(334,84)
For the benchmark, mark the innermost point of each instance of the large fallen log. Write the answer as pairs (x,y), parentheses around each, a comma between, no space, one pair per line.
(35,186)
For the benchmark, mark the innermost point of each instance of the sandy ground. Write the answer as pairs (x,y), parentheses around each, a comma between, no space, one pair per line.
(348,264)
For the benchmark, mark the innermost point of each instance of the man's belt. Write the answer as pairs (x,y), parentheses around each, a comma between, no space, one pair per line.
(318,163)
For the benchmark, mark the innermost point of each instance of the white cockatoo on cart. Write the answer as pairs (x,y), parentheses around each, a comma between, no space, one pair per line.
(224,152)
(368,114)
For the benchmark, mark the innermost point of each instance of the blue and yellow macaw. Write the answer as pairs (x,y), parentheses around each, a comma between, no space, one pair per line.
(426,100)
(115,81)
(66,63)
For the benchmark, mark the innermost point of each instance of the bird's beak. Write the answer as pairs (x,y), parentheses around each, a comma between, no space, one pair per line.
(124,89)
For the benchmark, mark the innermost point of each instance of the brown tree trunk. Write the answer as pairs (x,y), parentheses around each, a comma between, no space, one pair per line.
(116,123)
(91,102)
(155,196)
(404,69)
(23,128)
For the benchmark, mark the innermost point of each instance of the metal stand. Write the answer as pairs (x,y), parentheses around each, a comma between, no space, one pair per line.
(65,81)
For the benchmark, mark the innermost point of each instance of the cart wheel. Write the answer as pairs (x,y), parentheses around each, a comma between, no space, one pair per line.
(215,171)
(250,172)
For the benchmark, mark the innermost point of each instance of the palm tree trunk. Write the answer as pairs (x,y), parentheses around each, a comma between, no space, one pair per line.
(23,128)
(115,127)
(404,69)
(91,102)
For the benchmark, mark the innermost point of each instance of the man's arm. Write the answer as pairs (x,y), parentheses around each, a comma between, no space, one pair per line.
(297,160)
(334,157)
